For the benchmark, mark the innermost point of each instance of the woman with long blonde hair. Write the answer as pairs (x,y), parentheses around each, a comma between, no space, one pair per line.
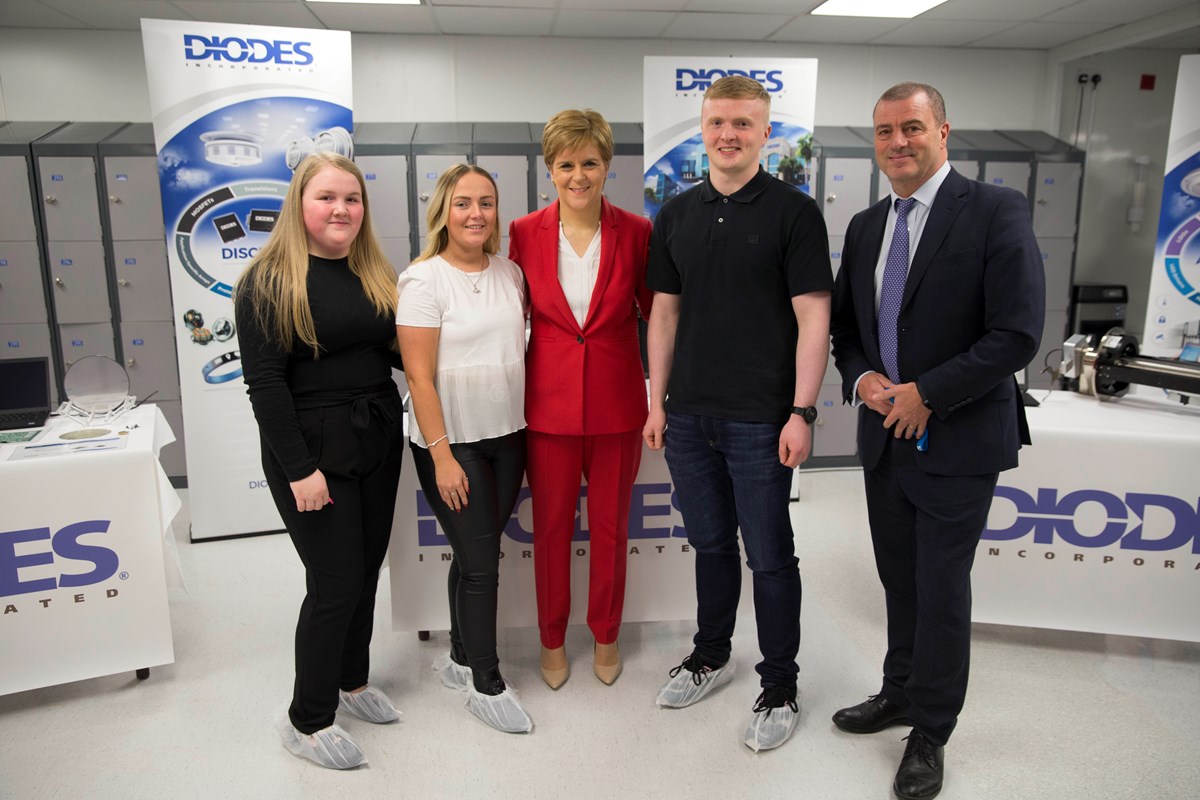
(460,321)
(314,316)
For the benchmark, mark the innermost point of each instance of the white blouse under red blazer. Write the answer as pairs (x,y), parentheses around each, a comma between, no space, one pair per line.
(585,381)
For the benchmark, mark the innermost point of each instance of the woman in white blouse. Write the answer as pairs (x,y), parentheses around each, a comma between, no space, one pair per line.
(460,322)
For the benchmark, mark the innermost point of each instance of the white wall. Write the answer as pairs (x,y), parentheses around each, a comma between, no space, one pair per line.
(1129,122)
(100,75)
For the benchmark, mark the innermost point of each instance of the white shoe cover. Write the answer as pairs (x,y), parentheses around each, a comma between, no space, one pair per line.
(330,747)
(502,711)
(770,728)
(370,704)
(682,690)
(454,676)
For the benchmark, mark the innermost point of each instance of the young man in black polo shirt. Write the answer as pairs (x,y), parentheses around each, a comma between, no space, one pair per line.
(738,342)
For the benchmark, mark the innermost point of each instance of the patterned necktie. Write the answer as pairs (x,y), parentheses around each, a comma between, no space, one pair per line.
(891,293)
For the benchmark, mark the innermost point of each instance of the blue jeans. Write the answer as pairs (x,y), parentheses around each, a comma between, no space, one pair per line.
(727,475)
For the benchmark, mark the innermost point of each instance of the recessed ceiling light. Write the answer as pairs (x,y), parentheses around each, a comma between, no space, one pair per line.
(900,9)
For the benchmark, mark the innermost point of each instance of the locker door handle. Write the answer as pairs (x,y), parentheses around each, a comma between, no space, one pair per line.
(59,283)
(1041,201)
(831,198)
(51,199)
(544,196)
(129,362)
(122,282)
(423,197)
(112,198)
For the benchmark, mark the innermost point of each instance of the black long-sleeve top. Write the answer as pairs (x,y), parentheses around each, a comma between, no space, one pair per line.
(356,360)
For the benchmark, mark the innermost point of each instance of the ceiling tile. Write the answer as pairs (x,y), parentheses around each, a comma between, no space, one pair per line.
(32,14)
(1115,11)
(699,25)
(788,7)
(1015,10)
(495,3)
(940,32)
(375,18)
(118,15)
(495,21)
(1041,35)
(286,14)
(624,5)
(607,25)
(835,30)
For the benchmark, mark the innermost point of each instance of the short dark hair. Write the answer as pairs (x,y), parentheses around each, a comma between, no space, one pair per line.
(903,91)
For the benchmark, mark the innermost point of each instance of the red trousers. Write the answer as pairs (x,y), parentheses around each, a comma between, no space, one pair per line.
(554,465)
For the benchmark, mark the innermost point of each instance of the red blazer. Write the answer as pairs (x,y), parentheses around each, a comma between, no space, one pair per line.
(584,381)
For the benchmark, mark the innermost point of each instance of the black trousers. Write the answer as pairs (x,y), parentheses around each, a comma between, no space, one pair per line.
(925,529)
(342,546)
(494,469)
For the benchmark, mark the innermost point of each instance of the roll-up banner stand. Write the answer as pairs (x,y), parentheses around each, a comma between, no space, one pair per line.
(235,107)
(673,90)
(1173,311)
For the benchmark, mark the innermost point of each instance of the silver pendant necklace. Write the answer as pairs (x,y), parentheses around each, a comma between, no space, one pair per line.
(475,277)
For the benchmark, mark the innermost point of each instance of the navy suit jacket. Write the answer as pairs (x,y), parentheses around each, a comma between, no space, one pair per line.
(972,316)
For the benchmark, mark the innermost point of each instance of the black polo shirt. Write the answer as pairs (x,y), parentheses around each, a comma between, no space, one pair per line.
(737,261)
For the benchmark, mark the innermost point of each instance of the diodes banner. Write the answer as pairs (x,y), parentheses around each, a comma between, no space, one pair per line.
(673,91)
(1173,313)
(236,108)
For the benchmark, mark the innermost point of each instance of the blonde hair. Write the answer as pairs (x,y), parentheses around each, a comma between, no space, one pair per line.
(276,282)
(439,211)
(573,129)
(738,87)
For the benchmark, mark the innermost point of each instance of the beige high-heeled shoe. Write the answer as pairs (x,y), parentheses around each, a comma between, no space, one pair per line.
(555,667)
(606,662)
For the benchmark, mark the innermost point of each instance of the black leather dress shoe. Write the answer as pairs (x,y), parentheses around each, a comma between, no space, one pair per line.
(871,716)
(921,769)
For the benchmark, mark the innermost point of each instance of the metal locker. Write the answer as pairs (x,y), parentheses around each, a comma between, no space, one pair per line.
(149,349)
(86,339)
(436,146)
(143,280)
(173,457)
(1056,257)
(29,341)
(624,188)
(80,287)
(1056,198)
(546,193)
(835,253)
(69,204)
(1013,174)
(847,191)
(22,297)
(387,186)
(968,169)
(836,430)
(832,377)
(16,213)
(398,251)
(511,174)
(429,167)
(134,198)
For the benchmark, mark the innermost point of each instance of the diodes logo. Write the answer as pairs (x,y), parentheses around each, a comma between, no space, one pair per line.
(22,551)
(698,80)
(650,511)
(1124,520)
(197,47)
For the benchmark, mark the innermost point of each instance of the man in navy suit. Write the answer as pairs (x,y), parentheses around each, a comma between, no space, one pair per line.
(931,319)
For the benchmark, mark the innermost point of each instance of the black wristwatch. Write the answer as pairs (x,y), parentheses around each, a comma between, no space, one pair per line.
(806,413)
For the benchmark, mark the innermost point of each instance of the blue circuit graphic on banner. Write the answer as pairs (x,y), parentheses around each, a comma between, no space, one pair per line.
(1179,228)
(225,175)
(787,155)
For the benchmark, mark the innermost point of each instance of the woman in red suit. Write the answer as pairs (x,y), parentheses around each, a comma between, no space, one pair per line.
(585,390)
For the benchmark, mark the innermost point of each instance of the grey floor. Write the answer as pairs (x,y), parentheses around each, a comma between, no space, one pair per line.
(1049,715)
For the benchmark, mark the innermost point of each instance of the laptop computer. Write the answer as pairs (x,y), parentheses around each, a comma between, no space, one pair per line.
(24,392)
